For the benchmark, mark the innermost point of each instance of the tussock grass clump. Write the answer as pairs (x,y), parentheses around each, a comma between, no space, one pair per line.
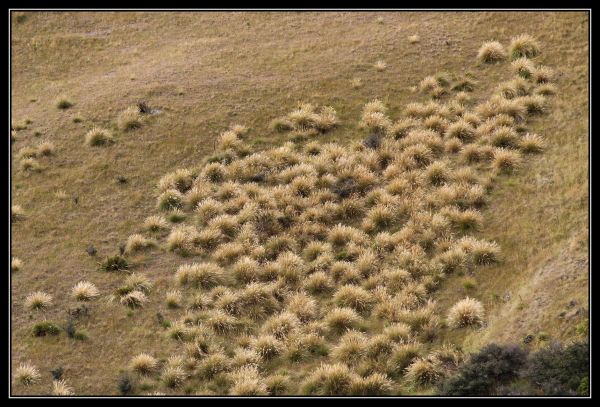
(180,180)
(173,376)
(340,319)
(491,52)
(98,137)
(246,270)
(30,164)
(318,282)
(63,102)
(181,239)
(173,299)
(155,224)
(130,119)
(134,299)
(514,88)
(504,137)
(61,388)
(543,74)
(281,325)
(351,347)
(302,306)
(413,39)
(375,384)
(114,263)
(506,161)
(546,89)
(524,46)
(135,282)
(16,212)
(535,104)
(424,372)
(397,332)
(247,382)
(16,264)
(27,374)
(84,291)
(532,143)
(204,275)
(38,301)
(466,312)
(330,379)
(354,297)
(169,200)
(308,120)
(137,243)
(523,67)
(461,130)
(144,364)
(267,346)
(45,148)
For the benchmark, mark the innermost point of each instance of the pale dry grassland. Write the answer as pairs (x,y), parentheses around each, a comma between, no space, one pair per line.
(208,71)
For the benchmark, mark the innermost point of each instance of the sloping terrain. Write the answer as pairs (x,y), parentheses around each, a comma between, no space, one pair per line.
(208,71)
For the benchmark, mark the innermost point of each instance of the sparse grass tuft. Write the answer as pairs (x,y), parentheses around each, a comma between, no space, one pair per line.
(63,102)
(380,65)
(130,119)
(98,137)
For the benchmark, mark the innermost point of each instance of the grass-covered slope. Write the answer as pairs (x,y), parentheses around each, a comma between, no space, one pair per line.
(206,72)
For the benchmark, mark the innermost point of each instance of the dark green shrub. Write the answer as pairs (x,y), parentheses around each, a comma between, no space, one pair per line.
(558,370)
(114,263)
(45,328)
(485,371)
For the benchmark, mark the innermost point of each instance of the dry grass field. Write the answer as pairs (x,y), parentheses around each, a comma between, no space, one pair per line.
(278,282)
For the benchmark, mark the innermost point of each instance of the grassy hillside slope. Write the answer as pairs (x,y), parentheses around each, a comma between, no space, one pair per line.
(206,71)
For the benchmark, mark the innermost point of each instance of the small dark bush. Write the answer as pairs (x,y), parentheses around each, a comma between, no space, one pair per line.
(70,328)
(559,370)
(45,328)
(493,366)
(78,312)
(125,385)
(114,263)
(344,187)
(373,141)
(57,373)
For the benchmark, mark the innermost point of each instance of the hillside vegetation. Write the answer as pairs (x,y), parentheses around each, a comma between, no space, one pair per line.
(294,203)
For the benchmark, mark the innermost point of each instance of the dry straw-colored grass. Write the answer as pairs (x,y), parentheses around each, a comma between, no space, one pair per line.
(311,267)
